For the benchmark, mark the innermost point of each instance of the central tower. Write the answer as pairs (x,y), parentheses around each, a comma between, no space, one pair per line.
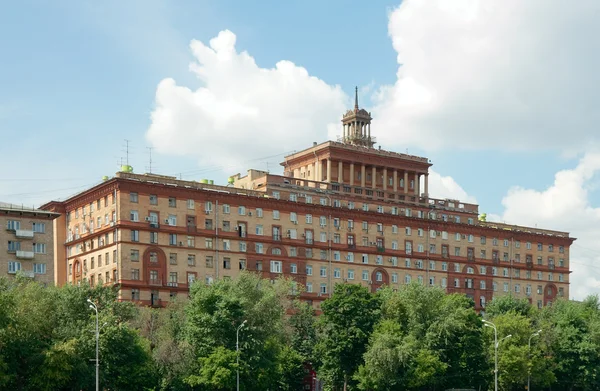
(357,126)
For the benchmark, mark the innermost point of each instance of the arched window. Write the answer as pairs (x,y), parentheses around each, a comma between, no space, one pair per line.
(378,276)
(153,257)
(276,251)
(470,270)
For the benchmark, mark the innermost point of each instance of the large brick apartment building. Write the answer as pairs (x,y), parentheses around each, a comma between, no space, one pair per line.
(343,211)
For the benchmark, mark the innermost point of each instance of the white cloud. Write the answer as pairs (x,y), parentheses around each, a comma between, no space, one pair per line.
(565,206)
(242,111)
(492,74)
(446,187)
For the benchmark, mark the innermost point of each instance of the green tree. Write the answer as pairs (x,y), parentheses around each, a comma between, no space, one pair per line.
(213,315)
(571,339)
(425,339)
(348,318)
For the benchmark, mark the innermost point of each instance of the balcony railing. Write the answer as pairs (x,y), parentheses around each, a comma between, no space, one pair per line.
(172,284)
(155,281)
(24,233)
(309,241)
(24,254)
(277,238)
(380,249)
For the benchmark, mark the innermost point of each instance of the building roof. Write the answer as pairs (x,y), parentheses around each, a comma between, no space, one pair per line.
(5,206)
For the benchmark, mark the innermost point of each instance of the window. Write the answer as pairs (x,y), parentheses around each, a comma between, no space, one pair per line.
(407,279)
(241,210)
(470,270)
(154,237)
(351,274)
(323,289)
(226,263)
(275,215)
(133,215)
(482,284)
(190,204)
(172,220)
(153,199)
(365,275)
(173,202)
(135,274)
(540,246)
(470,238)
(259,248)
(173,239)
(39,268)
(309,270)
(293,268)
(40,227)
(39,248)
(323,271)
(337,273)
(276,195)
(309,287)
(226,244)
(259,212)
(135,235)
(133,197)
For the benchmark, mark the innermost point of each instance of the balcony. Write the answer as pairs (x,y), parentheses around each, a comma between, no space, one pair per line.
(155,281)
(173,284)
(27,273)
(309,241)
(380,249)
(24,234)
(277,238)
(24,254)
(529,265)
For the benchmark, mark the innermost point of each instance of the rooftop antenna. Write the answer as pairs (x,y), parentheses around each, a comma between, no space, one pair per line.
(126,152)
(150,166)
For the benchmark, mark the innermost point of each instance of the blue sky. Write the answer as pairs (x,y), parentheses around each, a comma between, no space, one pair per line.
(79,77)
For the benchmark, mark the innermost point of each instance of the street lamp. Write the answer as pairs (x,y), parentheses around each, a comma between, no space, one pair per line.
(529,357)
(237,350)
(93,306)
(487,323)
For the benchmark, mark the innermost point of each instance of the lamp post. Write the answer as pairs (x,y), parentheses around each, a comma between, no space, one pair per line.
(237,350)
(487,323)
(93,306)
(529,357)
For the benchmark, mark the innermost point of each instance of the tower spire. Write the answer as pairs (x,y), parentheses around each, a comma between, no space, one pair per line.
(356,98)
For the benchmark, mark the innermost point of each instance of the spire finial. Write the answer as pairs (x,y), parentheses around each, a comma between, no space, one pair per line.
(356,98)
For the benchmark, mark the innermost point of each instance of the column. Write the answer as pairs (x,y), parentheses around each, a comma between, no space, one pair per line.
(318,170)
(384,178)
(374,177)
(340,172)
(427,185)
(328,170)
(369,127)
(416,183)
(395,181)
(363,175)
(351,174)
(405,181)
